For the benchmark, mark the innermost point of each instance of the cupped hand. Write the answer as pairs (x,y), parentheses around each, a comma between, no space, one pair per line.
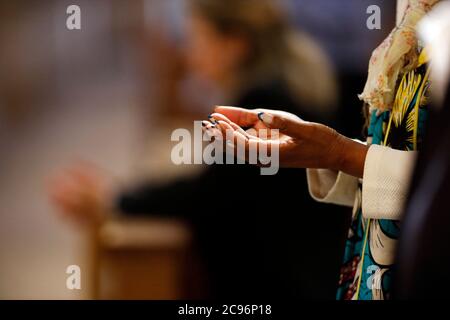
(301,144)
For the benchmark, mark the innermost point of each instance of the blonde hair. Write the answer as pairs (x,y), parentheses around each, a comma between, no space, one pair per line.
(277,48)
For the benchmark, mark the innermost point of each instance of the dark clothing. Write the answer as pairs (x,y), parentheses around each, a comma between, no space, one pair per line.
(424,249)
(255,233)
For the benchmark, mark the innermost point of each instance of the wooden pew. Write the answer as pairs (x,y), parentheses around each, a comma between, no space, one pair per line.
(137,258)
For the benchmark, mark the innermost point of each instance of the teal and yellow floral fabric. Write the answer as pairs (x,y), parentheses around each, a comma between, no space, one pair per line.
(366,273)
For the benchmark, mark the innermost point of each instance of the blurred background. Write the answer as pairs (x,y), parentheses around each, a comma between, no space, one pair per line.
(110,95)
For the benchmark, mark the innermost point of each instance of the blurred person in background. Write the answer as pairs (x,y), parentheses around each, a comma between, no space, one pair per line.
(263,249)
(340,27)
(396,98)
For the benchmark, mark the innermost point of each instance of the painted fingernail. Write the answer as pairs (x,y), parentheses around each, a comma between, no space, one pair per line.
(265,117)
(207,125)
(260,116)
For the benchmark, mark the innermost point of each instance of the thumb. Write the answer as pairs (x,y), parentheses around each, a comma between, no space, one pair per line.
(286,125)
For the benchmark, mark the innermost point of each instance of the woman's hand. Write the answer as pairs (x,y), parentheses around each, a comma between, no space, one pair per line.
(301,144)
(82,193)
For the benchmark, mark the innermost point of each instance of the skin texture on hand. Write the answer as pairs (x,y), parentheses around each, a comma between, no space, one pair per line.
(352,157)
(301,144)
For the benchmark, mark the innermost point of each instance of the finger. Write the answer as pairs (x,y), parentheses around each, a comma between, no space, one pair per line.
(207,124)
(218,116)
(211,130)
(295,128)
(214,117)
(226,129)
(240,144)
(240,116)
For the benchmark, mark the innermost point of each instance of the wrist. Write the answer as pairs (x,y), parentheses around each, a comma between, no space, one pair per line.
(351,156)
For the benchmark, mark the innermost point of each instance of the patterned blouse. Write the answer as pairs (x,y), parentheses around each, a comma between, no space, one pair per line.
(366,273)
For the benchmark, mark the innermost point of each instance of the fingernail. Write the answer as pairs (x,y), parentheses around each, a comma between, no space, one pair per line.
(265,117)
(207,125)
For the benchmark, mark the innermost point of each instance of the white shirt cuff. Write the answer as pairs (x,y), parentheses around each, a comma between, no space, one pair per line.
(387,175)
(332,187)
